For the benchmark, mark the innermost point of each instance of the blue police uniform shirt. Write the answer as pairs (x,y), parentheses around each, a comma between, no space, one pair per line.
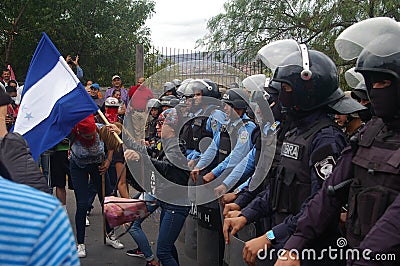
(242,147)
(244,168)
(214,123)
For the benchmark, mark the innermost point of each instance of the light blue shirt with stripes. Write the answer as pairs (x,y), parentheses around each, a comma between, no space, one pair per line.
(34,228)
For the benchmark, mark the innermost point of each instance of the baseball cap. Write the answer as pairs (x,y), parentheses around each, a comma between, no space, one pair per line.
(115,77)
(95,86)
(112,102)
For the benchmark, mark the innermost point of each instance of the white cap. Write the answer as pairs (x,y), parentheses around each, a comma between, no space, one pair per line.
(112,102)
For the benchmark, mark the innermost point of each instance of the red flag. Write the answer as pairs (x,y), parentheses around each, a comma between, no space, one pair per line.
(12,72)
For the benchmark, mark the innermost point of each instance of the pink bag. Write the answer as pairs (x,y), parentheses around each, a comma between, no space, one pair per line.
(121,210)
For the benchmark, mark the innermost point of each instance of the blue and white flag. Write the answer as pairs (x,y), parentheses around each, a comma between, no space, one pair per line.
(53,100)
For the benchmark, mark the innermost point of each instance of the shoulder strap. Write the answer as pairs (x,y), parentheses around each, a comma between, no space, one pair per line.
(317,126)
(373,128)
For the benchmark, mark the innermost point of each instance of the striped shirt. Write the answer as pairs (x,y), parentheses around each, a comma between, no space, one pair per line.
(34,228)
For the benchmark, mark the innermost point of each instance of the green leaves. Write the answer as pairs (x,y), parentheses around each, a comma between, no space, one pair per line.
(102,32)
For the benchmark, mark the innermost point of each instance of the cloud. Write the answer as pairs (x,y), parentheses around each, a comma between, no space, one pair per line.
(178,24)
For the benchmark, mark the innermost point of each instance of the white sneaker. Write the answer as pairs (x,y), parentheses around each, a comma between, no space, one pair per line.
(81,250)
(87,221)
(111,241)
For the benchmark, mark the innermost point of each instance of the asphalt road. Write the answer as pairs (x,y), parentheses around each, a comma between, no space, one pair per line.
(100,254)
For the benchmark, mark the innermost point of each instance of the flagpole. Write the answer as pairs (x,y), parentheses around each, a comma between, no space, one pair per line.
(108,123)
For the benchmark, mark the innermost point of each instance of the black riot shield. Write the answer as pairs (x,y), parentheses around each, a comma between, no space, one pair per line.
(210,241)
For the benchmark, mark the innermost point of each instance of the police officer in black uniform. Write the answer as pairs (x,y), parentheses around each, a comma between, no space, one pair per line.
(371,166)
(309,91)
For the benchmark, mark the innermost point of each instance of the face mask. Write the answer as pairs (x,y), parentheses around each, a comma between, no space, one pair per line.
(286,98)
(385,102)
(14,98)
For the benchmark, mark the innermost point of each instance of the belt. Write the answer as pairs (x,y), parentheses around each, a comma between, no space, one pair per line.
(139,110)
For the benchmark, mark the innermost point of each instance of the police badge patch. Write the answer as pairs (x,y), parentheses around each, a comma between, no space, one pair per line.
(214,125)
(325,167)
(243,136)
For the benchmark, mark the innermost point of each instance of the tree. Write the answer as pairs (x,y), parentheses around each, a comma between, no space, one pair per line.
(248,25)
(102,32)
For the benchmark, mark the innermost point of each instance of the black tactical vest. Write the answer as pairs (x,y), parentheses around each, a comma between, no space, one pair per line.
(186,135)
(199,128)
(376,180)
(228,139)
(292,184)
(151,129)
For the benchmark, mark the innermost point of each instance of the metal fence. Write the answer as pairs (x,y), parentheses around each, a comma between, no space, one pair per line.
(223,67)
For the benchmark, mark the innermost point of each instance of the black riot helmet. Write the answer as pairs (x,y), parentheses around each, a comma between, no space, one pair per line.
(207,87)
(181,91)
(169,100)
(314,87)
(236,98)
(169,86)
(314,80)
(153,103)
(177,82)
(380,60)
(375,42)
(360,92)
(273,87)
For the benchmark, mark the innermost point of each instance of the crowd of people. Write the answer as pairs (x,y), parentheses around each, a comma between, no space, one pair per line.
(293,156)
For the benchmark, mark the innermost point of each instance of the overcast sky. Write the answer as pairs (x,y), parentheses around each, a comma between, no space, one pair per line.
(178,24)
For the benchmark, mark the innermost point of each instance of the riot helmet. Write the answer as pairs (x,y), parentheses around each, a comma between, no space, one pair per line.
(207,87)
(153,103)
(380,61)
(169,87)
(169,101)
(273,87)
(236,98)
(181,91)
(313,87)
(356,81)
(177,82)
(254,82)
(375,42)
(233,85)
(314,80)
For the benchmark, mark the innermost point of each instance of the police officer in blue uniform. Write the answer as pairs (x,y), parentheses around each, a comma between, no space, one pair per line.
(367,174)
(309,91)
(233,135)
(197,132)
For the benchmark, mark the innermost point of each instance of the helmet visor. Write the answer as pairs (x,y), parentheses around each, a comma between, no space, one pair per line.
(273,53)
(357,37)
(353,78)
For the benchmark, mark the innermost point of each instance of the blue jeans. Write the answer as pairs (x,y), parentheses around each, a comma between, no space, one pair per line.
(137,233)
(172,220)
(79,178)
(44,163)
